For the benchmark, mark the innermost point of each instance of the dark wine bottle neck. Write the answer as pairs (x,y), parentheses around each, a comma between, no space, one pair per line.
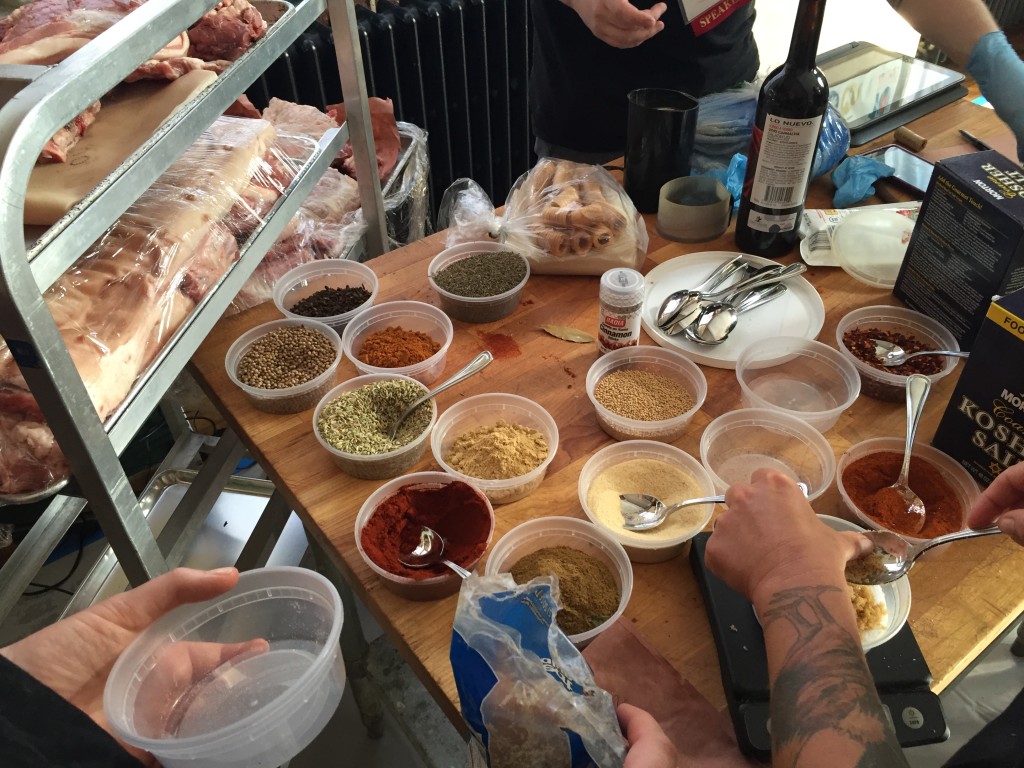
(803,47)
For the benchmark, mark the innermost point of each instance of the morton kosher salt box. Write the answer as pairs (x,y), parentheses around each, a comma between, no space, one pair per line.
(983,426)
(968,245)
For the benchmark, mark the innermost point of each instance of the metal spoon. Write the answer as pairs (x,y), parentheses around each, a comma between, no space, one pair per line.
(475,365)
(889,354)
(893,555)
(918,386)
(716,321)
(641,511)
(674,301)
(430,551)
(763,276)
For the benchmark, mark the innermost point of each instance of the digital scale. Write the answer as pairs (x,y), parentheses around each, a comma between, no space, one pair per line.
(901,674)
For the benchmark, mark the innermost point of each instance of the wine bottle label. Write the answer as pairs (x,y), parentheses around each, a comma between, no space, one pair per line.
(766,222)
(784,164)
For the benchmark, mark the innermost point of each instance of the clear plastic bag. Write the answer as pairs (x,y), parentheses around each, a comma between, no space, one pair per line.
(525,690)
(565,218)
(126,296)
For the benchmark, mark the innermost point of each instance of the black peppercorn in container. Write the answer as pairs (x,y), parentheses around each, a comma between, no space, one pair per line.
(331,291)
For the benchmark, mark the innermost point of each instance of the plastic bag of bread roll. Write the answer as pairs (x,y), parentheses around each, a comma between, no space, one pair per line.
(565,218)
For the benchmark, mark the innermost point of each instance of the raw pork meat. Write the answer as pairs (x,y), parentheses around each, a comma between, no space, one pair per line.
(119,303)
(288,117)
(227,31)
(385,137)
(172,69)
(48,31)
(57,148)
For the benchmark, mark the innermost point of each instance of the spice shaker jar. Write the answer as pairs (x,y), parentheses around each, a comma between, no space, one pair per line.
(621,296)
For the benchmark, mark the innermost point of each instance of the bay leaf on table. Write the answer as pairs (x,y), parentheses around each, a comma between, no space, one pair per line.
(566,333)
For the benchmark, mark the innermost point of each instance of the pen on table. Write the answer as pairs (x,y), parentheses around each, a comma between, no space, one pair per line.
(974,141)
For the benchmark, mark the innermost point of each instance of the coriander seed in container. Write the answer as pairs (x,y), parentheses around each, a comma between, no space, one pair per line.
(478,282)
(284,366)
(645,393)
(351,424)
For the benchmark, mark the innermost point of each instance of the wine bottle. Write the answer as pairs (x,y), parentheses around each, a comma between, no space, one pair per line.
(787,123)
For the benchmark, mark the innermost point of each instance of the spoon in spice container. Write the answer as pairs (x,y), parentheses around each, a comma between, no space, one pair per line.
(893,555)
(475,365)
(430,550)
(890,355)
(641,511)
(918,386)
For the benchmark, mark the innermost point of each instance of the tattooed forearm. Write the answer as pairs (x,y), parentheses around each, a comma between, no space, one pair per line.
(823,689)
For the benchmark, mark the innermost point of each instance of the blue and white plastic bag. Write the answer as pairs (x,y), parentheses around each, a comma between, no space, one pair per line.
(525,689)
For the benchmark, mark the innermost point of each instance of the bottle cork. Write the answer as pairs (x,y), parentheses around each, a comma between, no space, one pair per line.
(909,139)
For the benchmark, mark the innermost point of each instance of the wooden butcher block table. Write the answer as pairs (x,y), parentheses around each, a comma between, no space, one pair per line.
(963,598)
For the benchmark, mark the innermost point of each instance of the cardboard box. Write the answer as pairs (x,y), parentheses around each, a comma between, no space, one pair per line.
(983,426)
(968,245)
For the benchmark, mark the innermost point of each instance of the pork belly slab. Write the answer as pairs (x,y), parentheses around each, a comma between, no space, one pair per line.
(57,148)
(119,304)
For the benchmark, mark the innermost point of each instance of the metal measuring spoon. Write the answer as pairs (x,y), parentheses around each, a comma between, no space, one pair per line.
(918,386)
(677,299)
(716,321)
(894,556)
(890,355)
(642,511)
(475,365)
(430,550)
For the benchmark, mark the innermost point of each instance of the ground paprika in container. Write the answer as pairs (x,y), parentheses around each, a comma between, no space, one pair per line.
(455,510)
(396,347)
(866,479)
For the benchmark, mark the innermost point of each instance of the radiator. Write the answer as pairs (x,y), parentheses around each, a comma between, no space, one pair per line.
(1006,12)
(459,68)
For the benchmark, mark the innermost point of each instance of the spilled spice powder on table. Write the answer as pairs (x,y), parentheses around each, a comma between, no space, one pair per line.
(395,347)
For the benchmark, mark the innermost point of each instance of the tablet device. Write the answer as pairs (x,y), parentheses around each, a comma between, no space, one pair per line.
(876,90)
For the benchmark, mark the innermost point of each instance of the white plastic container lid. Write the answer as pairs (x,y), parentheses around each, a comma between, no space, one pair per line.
(871,246)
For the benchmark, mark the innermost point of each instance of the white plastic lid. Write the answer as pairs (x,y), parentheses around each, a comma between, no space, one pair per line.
(871,246)
(623,281)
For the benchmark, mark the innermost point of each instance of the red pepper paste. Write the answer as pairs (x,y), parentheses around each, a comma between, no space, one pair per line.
(867,479)
(456,510)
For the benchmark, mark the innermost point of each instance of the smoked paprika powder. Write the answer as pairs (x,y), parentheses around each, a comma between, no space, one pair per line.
(456,510)
(866,479)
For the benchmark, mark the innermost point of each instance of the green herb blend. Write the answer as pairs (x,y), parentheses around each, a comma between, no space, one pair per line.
(357,421)
(483,274)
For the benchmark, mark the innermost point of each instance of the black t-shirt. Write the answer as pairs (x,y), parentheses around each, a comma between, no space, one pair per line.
(578,84)
(39,728)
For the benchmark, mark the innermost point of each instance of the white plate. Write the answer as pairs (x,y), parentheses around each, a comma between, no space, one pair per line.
(799,312)
(896,595)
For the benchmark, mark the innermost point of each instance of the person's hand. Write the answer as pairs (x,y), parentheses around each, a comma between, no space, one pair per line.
(649,747)
(1002,503)
(73,657)
(768,532)
(619,23)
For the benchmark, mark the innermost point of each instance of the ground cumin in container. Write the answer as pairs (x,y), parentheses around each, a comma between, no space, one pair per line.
(589,594)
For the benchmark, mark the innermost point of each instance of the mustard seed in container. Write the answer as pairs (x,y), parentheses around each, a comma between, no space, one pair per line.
(642,395)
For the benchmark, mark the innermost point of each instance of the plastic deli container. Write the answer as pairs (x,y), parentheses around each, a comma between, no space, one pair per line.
(430,588)
(290,399)
(736,444)
(375,466)
(475,309)
(485,411)
(651,546)
(410,316)
(306,279)
(656,360)
(803,378)
(882,384)
(264,704)
(963,485)
(540,533)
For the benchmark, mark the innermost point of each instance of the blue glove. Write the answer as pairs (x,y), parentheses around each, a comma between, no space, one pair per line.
(855,178)
(731,177)
(1000,75)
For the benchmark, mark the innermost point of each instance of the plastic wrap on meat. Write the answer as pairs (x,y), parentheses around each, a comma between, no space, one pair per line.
(128,294)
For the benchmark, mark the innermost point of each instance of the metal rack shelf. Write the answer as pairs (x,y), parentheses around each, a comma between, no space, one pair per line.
(40,101)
